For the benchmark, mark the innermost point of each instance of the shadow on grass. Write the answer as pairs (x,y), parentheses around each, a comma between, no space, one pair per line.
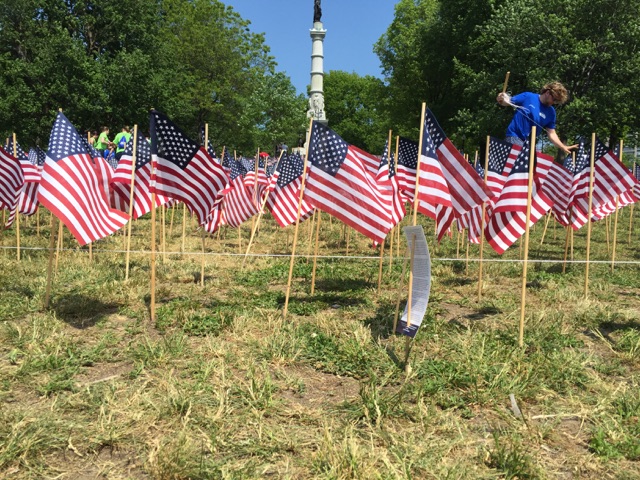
(607,328)
(342,284)
(81,311)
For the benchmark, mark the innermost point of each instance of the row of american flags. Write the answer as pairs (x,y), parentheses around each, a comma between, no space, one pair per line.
(367,192)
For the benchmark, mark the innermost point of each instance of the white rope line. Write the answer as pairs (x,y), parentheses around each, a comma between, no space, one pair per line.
(340,257)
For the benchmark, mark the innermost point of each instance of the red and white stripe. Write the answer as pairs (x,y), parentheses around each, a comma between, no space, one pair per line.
(70,189)
(121,184)
(283,204)
(239,205)
(11,184)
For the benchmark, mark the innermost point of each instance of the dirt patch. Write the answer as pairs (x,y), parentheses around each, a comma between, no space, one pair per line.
(320,390)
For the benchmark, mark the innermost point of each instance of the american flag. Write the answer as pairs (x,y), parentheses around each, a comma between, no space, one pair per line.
(184,170)
(407,166)
(465,186)
(557,187)
(283,201)
(502,155)
(28,202)
(388,182)
(507,223)
(37,156)
(341,183)
(69,187)
(29,169)
(636,174)
(121,181)
(238,203)
(11,185)
(611,178)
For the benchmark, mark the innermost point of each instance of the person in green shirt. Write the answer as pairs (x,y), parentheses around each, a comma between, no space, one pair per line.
(121,141)
(103,141)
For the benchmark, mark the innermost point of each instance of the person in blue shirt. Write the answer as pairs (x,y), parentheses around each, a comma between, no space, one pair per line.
(536,109)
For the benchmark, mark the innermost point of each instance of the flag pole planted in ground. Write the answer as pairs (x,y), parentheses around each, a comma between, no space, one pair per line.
(523,299)
(297,227)
(15,155)
(590,205)
(482,219)
(131,200)
(206,146)
(615,222)
(315,254)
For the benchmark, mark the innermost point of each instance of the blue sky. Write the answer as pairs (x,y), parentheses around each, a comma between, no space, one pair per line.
(353,26)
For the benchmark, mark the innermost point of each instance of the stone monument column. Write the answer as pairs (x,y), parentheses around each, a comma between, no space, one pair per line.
(316,94)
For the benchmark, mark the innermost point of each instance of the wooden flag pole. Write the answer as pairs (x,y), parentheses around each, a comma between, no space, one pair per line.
(173,211)
(615,233)
(400,285)
(607,222)
(546,224)
(152,301)
(202,257)
(566,249)
(348,235)
(311,225)
(38,222)
(315,255)
(631,209)
(396,230)
(532,158)
(506,82)
(52,241)
(184,226)
(163,231)
(380,265)
(297,227)
(59,243)
(466,267)
(591,174)
(131,193)
(17,221)
(484,211)
(407,344)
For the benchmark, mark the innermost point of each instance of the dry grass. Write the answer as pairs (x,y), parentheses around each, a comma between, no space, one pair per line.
(220,386)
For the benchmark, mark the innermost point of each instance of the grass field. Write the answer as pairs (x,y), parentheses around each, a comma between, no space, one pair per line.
(220,386)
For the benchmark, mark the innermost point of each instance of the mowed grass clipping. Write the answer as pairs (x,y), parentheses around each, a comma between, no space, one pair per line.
(219,385)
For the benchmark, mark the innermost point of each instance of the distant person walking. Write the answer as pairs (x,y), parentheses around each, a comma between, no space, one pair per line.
(103,141)
(121,141)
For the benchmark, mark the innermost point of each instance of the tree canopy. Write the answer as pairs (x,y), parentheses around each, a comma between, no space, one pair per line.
(107,62)
(454,55)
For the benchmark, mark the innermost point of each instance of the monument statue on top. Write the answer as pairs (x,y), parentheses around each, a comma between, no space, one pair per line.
(317,11)
(316,93)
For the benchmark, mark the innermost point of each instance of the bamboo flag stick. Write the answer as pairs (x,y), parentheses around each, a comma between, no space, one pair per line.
(400,285)
(484,211)
(380,266)
(546,224)
(38,222)
(184,226)
(635,154)
(52,240)
(457,243)
(586,270)
(163,236)
(607,222)
(466,267)
(615,233)
(311,225)
(256,226)
(17,221)
(506,82)
(397,227)
(59,243)
(566,248)
(202,257)
(131,193)
(348,234)
(173,211)
(532,157)
(297,227)
(315,255)
(152,301)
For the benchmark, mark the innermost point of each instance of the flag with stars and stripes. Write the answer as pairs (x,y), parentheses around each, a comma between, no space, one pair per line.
(502,155)
(29,169)
(611,178)
(557,187)
(508,220)
(388,181)
(37,156)
(406,166)
(238,204)
(283,200)
(636,174)
(466,188)
(11,185)
(121,180)
(341,183)
(69,187)
(184,170)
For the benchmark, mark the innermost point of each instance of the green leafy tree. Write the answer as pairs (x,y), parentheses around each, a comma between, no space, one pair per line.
(355,109)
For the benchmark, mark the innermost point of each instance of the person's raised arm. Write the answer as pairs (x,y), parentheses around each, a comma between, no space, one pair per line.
(553,138)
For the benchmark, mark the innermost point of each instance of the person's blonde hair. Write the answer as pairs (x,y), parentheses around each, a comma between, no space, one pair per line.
(558,91)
